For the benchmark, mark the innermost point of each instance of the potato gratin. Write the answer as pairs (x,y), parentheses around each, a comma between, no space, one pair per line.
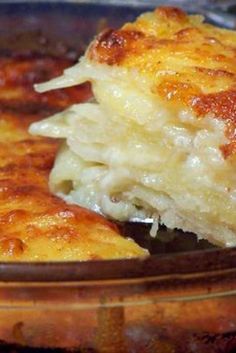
(34,224)
(159,137)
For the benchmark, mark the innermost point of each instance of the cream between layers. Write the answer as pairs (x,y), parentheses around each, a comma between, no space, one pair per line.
(125,155)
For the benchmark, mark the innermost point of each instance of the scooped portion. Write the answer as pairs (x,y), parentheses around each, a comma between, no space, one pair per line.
(158,138)
(34,224)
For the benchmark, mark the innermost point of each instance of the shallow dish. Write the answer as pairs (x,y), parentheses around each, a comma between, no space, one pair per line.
(180,299)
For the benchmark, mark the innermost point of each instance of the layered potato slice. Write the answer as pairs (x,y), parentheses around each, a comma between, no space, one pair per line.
(34,224)
(158,138)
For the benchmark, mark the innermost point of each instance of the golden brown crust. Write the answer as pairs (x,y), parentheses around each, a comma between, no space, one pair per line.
(34,224)
(196,60)
(112,45)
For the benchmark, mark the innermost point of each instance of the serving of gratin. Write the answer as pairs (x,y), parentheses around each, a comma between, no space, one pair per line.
(34,224)
(158,139)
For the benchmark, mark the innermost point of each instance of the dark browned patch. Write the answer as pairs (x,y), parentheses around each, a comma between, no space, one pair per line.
(177,91)
(112,46)
(12,246)
(12,216)
(228,149)
(214,72)
(171,13)
(221,104)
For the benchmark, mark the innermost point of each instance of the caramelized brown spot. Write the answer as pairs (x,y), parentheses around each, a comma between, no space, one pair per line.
(112,46)
(12,246)
(214,72)
(221,104)
(230,130)
(13,216)
(171,13)
(228,149)
(173,90)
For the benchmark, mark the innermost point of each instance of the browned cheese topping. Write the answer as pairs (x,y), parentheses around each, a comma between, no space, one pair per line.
(193,64)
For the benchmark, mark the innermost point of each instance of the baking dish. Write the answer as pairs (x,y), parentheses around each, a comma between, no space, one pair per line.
(179,301)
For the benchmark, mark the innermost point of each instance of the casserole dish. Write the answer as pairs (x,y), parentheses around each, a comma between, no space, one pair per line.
(180,299)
